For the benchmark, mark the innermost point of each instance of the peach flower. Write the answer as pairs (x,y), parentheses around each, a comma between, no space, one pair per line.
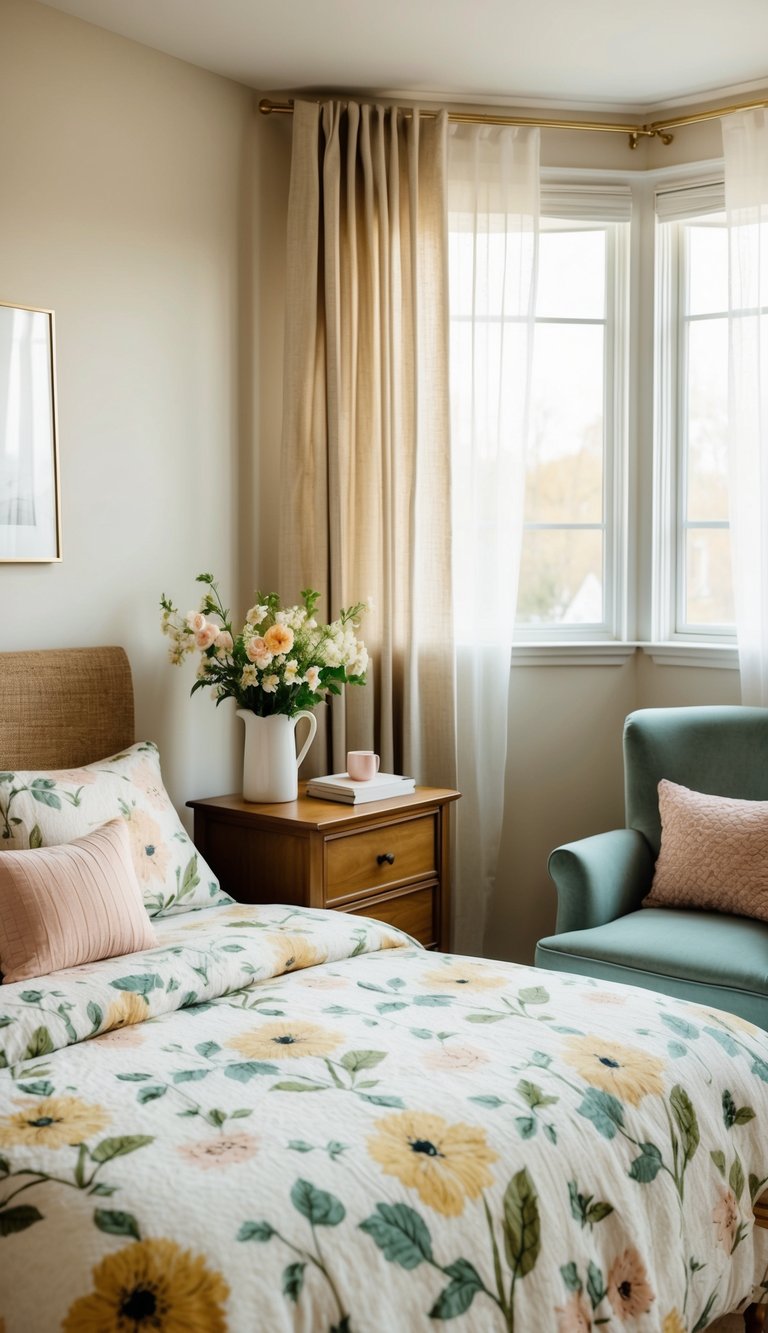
(150,854)
(629,1290)
(279,639)
(206,636)
(575,1316)
(227,1150)
(256,651)
(145,776)
(725,1216)
(196,621)
(458,1058)
(224,641)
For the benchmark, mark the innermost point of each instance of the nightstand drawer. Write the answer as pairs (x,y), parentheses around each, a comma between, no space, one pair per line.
(366,862)
(412,912)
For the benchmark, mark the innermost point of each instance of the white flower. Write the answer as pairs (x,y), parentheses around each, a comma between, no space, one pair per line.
(270,683)
(257,651)
(291,671)
(312,677)
(256,614)
(196,621)
(312,624)
(223,641)
(206,636)
(249,676)
(281,617)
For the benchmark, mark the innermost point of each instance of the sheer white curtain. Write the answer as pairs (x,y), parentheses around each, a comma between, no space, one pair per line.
(745,144)
(493,224)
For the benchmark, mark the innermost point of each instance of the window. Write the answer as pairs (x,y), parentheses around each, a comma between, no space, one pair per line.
(694,584)
(571,574)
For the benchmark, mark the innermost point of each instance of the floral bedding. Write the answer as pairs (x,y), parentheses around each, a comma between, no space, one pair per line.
(282,1119)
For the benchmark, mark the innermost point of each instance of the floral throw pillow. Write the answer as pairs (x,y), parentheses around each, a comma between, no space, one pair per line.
(46,809)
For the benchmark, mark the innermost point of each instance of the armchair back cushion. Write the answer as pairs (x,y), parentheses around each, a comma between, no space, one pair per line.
(721,750)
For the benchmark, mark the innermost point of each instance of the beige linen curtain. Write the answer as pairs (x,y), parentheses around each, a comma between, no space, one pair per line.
(365,466)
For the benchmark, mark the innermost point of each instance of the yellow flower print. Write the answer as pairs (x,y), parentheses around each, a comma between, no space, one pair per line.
(51,1122)
(293,952)
(627,1072)
(152,1286)
(284,1040)
(575,1316)
(130,1008)
(150,854)
(629,1290)
(673,1323)
(463,976)
(446,1164)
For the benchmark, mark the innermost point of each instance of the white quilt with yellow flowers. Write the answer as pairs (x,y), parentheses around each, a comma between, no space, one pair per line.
(282,1119)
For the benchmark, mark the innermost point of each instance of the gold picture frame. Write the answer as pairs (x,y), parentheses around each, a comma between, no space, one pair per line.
(30,502)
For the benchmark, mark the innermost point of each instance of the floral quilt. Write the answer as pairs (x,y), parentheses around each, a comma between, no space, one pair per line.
(281,1119)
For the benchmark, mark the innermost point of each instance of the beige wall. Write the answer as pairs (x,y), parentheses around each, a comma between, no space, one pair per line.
(125,199)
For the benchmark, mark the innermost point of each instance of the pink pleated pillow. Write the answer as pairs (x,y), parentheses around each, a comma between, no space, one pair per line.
(70,904)
(713,855)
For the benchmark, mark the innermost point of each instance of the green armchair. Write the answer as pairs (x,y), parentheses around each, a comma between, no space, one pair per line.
(602,929)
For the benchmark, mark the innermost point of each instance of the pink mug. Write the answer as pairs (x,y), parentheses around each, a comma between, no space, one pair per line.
(362,765)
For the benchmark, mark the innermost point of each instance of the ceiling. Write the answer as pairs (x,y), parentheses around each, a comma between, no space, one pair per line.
(611,53)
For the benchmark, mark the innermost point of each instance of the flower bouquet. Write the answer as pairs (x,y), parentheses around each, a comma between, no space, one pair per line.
(276,668)
(281,661)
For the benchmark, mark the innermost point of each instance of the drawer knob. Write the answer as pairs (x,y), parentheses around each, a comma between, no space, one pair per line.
(388,857)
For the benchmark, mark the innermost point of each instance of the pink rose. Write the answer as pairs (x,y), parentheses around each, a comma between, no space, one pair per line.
(206,636)
(256,648)
(224,641)
(196,621)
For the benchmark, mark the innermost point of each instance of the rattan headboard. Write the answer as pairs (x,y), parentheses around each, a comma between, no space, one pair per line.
(63,707)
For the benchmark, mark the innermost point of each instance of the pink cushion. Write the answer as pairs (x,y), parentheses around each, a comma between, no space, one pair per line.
(70,904)
(714,853)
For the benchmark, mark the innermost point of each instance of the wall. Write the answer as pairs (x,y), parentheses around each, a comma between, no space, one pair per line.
(126,194)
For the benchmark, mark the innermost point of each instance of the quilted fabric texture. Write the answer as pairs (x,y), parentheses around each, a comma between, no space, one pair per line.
(64,906)
(714,853)
(49,808)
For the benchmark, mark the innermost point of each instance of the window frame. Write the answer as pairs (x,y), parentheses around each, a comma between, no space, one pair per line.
(608,208)
(674,207)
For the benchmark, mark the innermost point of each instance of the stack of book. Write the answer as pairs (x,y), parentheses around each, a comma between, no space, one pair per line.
(341,787)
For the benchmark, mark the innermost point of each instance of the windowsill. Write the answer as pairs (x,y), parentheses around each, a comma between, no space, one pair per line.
(724,656)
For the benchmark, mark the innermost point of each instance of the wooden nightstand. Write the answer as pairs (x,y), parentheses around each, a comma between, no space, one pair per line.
(386,859)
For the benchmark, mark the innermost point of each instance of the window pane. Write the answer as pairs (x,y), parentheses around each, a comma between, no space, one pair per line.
(564,475)
(707,267)
(486,270)
(561,578)
(709,588)
(571,281)
(707,410)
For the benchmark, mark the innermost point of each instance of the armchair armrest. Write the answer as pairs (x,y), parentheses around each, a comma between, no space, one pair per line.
(601,878)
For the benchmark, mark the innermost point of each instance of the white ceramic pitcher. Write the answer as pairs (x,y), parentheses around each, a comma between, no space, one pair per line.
(270,762)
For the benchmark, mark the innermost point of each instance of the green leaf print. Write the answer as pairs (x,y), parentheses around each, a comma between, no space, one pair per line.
(139,985)
(570,1275)
(116,1223)
(152,1093)
(584,1210)
(293,1280)
(718,1158)
(40,788)
(521,1226)
(40,1043)
(736,1178)
(647,1166)
(244,1071)
(459,1295)
(354,1061)
(42,1087)
(18,1219)
(604,1110)
(400,1234)
(35,837)
(685,1116)
(119,1146)
(319,1207)
(260,1231)
(680,1027)
(760,1068)
(595,1285)
(533,995)
(533,1095)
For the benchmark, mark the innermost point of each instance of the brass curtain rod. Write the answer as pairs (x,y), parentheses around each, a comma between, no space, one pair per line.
(655,129)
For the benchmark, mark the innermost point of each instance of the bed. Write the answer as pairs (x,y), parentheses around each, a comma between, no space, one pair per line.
(284,1119)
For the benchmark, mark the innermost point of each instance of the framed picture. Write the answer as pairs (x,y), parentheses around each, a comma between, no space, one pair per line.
(30,522)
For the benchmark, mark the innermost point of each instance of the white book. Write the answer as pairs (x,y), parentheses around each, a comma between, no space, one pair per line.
(341,787)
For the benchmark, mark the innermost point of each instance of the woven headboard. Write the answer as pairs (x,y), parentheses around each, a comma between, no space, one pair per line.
(63,707)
